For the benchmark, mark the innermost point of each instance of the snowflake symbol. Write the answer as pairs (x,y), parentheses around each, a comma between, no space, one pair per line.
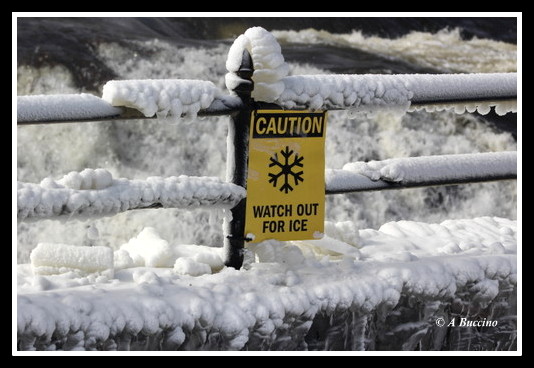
(286,169)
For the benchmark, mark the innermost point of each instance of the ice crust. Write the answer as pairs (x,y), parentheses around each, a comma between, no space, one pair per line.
(288,292)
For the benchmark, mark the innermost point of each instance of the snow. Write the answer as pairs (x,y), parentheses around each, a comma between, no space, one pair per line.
(438,168)
(267,59)
(95,193)
(274,300)
(63,107)
(436,87)
(148,249)
(162,97)
(339,181)
(53,258)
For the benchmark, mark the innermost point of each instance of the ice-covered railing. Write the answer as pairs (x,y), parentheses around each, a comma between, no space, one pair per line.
(96,193)
(128,99)
(136,99)
(269,82)
(471,92)
(42,108)
(421,171)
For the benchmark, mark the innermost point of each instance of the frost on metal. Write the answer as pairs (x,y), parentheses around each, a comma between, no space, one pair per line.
(438,168)
(63,107)
(96,193)
(367,92)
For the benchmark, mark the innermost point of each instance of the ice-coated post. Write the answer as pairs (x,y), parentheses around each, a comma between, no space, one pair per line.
(236,165)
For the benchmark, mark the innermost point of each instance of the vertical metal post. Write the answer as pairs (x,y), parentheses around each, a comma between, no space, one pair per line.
(237,165)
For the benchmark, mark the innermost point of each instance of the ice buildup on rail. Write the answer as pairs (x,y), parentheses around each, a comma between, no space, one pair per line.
(164,97)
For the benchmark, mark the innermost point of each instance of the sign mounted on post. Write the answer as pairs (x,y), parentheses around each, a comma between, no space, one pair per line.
(285,183)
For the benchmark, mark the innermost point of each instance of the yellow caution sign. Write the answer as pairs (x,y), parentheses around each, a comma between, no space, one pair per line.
(285,184)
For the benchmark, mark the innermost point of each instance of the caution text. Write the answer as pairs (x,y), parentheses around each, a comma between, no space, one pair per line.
(271,125)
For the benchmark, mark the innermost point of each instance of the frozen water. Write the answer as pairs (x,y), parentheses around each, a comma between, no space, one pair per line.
(296,296)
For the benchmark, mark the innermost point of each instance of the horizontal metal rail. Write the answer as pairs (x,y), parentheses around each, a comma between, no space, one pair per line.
(422,171)
(37,202)
(354,182)
(454,89)
(54,109)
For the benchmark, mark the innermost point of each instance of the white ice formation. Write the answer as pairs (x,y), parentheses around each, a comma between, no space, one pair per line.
(53,258)
(385,293)
(95,193)
(148,249)
(367,92)
(268,62)
(162,97)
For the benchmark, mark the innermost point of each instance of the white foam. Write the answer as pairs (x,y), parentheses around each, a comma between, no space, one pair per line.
(447,50)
